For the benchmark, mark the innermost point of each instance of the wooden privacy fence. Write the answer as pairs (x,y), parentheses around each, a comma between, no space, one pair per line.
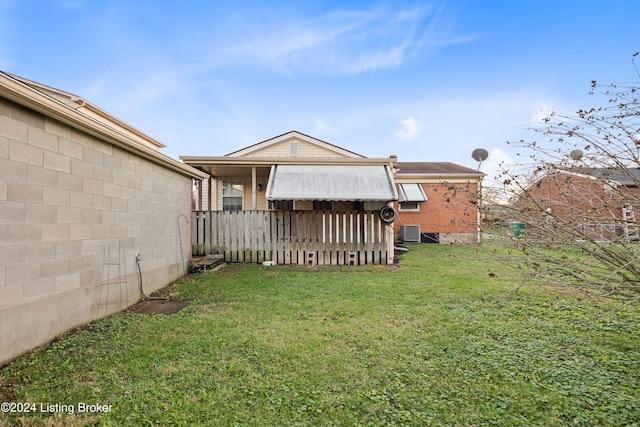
(293,237)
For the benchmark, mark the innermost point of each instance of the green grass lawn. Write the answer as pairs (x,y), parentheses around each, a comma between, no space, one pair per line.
(443,340)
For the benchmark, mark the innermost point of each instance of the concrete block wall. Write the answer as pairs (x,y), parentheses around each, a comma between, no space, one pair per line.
(74,211)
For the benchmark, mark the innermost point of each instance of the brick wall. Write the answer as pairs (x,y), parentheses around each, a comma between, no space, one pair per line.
(582,204)
(576,196)
(74,211)
(450,210)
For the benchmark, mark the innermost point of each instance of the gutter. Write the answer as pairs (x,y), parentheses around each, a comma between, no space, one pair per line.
(440,176)
(268,161)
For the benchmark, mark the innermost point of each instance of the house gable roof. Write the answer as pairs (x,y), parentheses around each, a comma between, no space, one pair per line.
(59,105)
(85,107)
(435,170)
(611,176)
(308,147)
(628,177)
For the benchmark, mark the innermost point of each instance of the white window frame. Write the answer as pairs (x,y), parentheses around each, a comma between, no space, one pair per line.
(402,208)
(233,182)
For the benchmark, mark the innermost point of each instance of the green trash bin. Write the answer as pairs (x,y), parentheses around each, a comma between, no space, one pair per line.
(518,228)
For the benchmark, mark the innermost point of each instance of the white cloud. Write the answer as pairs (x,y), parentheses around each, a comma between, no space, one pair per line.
(341,42)
(540,115)
(495,164)
(409,129)
(494,168)
(441,128)
(321,128)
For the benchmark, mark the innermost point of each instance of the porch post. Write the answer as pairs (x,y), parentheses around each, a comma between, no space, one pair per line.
(254,189)
(390,244)
(209,193)
(390,239)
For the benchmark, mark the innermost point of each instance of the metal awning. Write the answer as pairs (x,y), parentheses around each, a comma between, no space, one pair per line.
(331,182)
(411,193)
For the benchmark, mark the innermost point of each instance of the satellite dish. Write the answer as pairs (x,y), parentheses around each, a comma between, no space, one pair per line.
(480,154)
(576,154)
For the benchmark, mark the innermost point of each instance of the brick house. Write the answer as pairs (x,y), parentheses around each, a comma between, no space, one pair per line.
(599,200)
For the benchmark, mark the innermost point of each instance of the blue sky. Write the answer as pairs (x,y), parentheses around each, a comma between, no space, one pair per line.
(425,80)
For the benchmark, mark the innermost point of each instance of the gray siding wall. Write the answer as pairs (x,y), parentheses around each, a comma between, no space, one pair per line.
(74,211)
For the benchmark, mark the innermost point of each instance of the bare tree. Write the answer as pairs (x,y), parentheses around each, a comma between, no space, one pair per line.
(575,203)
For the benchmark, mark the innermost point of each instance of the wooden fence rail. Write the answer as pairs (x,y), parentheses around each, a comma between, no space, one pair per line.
(293,237)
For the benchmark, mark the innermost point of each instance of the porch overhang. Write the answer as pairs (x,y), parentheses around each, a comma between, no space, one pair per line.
(331,182)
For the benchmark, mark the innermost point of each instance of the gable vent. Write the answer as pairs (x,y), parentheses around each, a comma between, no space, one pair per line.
(294,149)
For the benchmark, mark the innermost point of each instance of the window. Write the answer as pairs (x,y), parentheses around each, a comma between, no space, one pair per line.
(232,195)
(282,205)
(410,196)
(409,206)
(373,205)
(322,205)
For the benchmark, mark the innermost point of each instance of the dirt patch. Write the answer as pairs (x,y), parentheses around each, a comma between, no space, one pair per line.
(157,306)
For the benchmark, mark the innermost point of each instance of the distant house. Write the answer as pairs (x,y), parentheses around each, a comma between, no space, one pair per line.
(600,200)
(294,199)
(297,173)
(81,194)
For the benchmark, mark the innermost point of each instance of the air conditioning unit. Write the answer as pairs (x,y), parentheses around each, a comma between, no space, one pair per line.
(410,233)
